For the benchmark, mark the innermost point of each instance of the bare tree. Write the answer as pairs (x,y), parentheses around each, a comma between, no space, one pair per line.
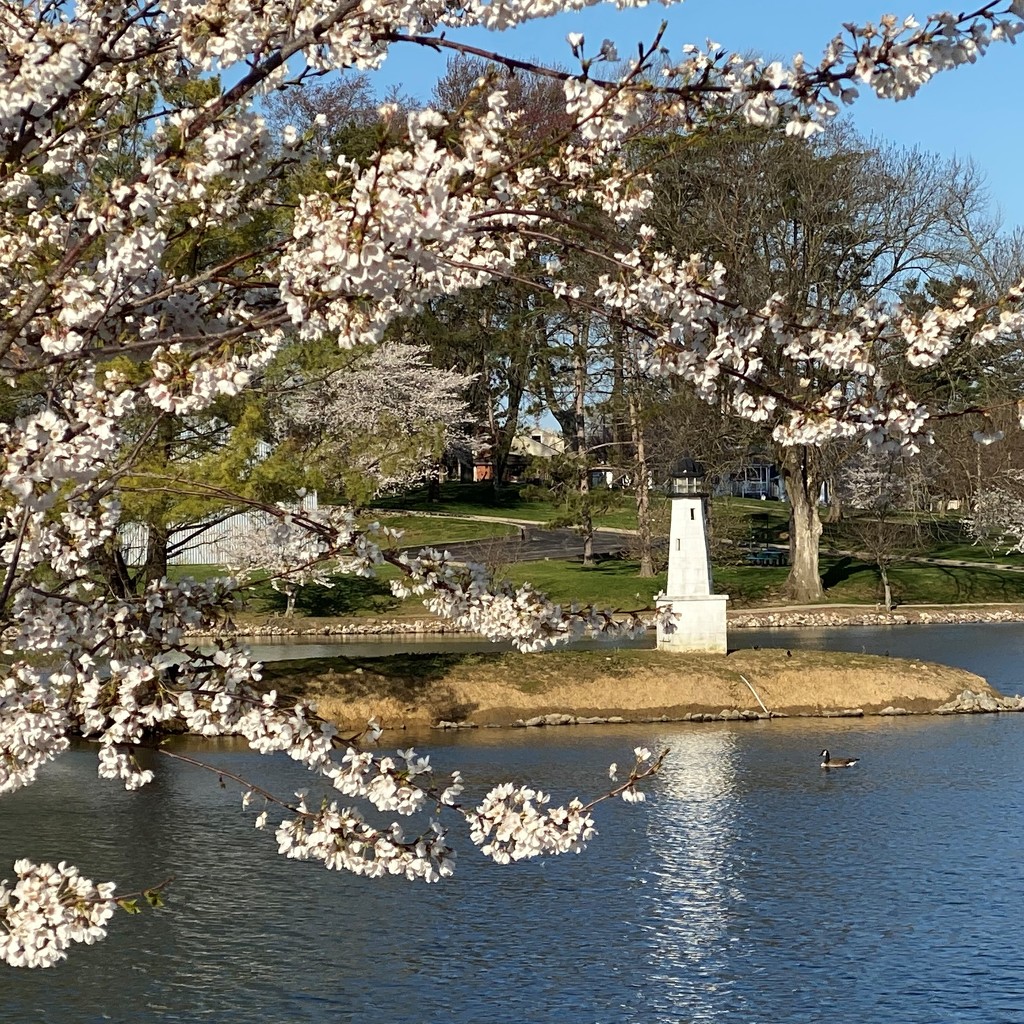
(830,225)
(880,485)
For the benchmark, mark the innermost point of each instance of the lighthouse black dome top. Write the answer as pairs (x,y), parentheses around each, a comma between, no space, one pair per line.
(686,476)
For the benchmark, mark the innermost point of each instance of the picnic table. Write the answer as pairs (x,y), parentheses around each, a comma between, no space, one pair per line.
(767,556)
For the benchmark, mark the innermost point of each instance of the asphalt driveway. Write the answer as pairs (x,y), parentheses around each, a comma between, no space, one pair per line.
(535,543)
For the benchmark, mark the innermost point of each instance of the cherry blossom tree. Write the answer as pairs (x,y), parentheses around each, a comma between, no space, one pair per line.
(278,549)
(380,424)
(149,261)
(996,516)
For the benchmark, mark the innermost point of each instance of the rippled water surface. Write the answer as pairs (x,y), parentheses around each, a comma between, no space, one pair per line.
(752,887)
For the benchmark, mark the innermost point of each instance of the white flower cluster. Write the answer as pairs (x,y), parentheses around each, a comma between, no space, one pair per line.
(893,58)
(46,910)
(396,234)
(33,727)
(380,781)
(342,839)
(996,517)
(513,824)
(297,547)
(695,331)
(466,595)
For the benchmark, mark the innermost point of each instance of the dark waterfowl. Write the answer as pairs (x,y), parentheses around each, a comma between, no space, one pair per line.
(827,761)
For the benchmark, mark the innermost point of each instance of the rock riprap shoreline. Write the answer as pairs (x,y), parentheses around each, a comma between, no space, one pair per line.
(738,619)
(966,703)
(791,619)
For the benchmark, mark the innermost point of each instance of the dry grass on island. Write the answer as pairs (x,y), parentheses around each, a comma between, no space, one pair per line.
(497,689)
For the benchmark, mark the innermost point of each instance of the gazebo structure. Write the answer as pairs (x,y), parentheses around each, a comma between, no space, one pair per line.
(698,620)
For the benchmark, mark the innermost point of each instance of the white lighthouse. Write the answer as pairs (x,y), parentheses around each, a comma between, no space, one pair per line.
(698,620)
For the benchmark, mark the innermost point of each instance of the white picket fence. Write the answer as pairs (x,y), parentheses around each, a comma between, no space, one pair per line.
(203,543)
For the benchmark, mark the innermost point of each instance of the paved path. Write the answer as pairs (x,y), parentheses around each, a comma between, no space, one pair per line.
(536,543)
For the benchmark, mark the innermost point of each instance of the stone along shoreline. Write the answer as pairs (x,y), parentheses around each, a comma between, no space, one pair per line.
(752,618)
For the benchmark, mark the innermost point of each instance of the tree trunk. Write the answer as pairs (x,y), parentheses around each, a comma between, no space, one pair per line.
(802,484)
(156,552)
(886,588)
(835,505)
(580,331)
(502,429)
(641,486)
(121,583)
(642,492)
(155,566)
(587,530)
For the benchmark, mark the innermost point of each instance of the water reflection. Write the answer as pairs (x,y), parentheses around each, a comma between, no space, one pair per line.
(693,888)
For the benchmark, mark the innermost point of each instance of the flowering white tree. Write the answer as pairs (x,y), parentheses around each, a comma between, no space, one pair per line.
(152,261)
(284,550)
(382,424)
(996,516)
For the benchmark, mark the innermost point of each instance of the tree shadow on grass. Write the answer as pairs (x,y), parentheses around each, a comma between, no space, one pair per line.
(748,593)
(841,570)
(349,595)
(969,585)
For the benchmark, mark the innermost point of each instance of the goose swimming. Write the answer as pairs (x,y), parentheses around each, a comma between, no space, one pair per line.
(827,761)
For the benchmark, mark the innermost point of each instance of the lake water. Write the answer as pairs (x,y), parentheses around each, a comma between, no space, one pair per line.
(994,650)
(752,887)
(289,648)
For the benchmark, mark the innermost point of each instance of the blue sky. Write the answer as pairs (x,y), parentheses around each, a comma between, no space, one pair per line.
(974,111)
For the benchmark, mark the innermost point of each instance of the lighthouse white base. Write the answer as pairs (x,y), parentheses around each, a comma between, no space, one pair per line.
(698,624)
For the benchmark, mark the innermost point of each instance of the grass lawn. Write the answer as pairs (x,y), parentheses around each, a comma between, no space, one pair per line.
(965,552)
(347,597)
(615,583)
(422,531)
(623,517)
(917,583)
(482,500)
(848,580)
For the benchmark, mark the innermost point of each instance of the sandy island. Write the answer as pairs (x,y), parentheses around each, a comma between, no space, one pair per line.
(501,688)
